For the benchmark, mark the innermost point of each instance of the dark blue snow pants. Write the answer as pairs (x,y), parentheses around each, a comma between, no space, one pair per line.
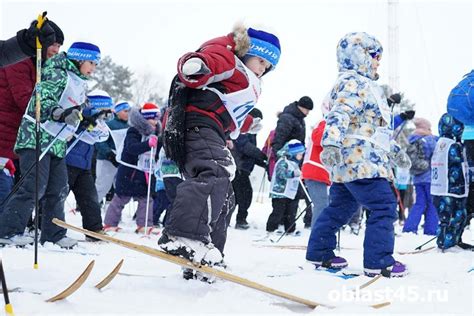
(344,200)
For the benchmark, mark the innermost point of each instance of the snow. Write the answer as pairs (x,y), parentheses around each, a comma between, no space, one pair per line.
(439,283)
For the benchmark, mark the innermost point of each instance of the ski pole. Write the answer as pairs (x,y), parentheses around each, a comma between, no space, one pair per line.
(78,138)
(8,306)
(293,224)
(30,168)
(306,192)
(150,174)
(261,189)
(421,246)
(39,46)
(400,129)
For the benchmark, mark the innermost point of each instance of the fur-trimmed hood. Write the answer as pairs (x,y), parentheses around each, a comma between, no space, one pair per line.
(237,41)
(136,120)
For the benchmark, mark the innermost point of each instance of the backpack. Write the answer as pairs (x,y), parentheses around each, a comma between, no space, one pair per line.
(420,163)
(175,127)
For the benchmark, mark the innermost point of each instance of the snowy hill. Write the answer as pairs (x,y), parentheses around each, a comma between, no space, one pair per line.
(439,283)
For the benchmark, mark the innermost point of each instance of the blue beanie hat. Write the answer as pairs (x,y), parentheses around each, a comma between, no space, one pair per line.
(122,106)
(98,101)
(84,51)
(295,147)
(264,45)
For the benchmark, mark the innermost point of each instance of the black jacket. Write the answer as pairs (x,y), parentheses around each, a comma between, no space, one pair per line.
(10,52)
(290,126)
(204,108)
(246,154)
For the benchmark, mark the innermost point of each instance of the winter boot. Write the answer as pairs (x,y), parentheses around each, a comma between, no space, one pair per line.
(92,239)
(66,243)
(188,274)
(398,270)
(242,224)
(111,229)
(17,240)
(193,250)
(336,263)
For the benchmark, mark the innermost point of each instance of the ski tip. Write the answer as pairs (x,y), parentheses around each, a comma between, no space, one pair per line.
(9,309)
(36,266)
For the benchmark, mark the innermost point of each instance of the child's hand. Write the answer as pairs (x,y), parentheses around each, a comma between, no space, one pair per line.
(153,141)
(194,66)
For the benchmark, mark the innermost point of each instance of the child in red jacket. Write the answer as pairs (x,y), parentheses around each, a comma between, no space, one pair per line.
(314,174)
(216,87)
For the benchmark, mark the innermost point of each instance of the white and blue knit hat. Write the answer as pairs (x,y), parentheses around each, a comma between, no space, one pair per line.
(295,147)
(84,51)
(122,106)
(264,45)
(98,100)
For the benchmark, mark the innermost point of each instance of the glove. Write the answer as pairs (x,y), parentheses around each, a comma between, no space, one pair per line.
(394,99)
(153,141)
(71,116)
(400,159)
(112,159)
(296,173)
(256,126)
(27,38)
(407,115)
(330,156)
(195,66)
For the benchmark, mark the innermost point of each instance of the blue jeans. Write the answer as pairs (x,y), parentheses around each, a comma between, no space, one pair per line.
(6,184)
(423,205)
(318,191)
(344,200)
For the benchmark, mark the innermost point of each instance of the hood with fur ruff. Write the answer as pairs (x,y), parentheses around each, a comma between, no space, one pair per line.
(137,120)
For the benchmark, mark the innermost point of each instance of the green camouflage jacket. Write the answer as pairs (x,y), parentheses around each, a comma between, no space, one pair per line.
(54,77)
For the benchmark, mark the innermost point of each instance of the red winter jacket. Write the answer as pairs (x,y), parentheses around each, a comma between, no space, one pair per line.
(204,107)
(16,86)
(312,166)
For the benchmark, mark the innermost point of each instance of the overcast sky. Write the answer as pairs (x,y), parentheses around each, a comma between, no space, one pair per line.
(435,40)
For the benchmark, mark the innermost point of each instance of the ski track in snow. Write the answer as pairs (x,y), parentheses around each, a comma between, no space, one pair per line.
(438,283)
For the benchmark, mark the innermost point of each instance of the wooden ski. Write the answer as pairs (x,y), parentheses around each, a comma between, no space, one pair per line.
(414,252)
(110,276)
(75,285)
(204,269)
(366,284)
(188,264)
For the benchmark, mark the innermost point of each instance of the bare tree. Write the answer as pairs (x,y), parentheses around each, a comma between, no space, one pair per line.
(148,87)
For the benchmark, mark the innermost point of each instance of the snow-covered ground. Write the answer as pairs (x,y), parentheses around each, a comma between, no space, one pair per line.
(439,283)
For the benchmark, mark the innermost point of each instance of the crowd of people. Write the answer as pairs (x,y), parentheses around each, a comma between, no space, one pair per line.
(192,158)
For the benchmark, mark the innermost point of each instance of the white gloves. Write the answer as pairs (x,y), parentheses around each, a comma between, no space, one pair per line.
(331,156)
(256,126)
(194,66)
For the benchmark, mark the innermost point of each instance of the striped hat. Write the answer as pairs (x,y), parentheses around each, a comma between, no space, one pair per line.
(295,147)
(122,106)
(150,111)
(84,51)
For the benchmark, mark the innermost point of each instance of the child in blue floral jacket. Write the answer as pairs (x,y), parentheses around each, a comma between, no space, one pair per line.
(284,186)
